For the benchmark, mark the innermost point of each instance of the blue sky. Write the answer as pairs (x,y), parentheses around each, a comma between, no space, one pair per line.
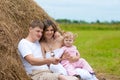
(88,10)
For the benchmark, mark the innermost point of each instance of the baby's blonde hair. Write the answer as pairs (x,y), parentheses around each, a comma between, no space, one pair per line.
(69,35)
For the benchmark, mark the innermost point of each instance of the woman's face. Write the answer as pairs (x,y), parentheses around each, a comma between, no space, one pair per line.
(49,32)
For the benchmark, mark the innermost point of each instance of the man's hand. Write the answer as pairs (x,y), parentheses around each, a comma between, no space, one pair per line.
(55,60)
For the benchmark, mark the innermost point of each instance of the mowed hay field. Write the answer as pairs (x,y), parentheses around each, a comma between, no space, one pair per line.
(101,48)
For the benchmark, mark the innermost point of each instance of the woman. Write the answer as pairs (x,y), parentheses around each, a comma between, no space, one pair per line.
(51,48)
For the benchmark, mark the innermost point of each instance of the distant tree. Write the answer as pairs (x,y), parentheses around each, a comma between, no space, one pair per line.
(63,21)
(105,22)
(115,22)
(83,22)
(75,21)
(98,21)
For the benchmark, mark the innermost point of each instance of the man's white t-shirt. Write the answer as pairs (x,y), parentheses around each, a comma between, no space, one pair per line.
(25,48)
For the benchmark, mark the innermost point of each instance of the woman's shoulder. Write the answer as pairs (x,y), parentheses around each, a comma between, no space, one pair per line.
(42,45)
(42,42)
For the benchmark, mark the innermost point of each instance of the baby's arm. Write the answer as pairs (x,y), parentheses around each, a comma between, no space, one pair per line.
(65,55)
(75,58)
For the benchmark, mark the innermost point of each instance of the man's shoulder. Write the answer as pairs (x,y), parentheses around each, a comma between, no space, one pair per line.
(21,41)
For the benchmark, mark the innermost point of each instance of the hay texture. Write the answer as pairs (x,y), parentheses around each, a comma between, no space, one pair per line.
(15,16)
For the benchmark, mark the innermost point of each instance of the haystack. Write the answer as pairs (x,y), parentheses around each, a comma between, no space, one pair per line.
(15,16)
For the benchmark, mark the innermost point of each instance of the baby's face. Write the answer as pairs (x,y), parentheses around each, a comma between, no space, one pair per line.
(68,42)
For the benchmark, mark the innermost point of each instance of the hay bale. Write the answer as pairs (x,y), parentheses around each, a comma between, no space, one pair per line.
(15,16)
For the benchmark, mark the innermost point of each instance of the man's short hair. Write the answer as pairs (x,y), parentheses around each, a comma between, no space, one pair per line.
(36,23)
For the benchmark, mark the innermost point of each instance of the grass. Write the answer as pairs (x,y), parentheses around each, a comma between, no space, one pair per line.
(101,48)
(90,26)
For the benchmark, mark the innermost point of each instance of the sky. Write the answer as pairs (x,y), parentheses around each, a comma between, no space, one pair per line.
(87,10)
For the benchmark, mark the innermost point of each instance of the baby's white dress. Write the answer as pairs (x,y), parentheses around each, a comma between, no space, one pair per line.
(58,68)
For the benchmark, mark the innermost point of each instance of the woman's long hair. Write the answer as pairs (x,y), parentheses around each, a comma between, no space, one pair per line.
(48,23)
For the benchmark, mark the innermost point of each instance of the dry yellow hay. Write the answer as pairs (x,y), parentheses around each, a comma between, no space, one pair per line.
(15,16)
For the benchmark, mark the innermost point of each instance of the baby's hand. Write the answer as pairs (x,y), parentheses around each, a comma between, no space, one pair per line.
(73,59)
(65,56)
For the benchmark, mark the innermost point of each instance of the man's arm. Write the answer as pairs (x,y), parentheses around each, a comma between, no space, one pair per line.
(37,61)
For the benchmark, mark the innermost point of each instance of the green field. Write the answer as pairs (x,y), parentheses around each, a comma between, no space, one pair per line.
(101,48)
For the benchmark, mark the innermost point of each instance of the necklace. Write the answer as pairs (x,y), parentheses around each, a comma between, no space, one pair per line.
(51,51)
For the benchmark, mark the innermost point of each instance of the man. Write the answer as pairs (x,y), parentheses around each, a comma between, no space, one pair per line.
(32,58)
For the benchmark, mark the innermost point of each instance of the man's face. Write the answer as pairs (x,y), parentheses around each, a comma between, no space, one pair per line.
(36,33)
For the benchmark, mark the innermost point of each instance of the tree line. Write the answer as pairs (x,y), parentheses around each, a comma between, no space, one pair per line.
(85,22)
